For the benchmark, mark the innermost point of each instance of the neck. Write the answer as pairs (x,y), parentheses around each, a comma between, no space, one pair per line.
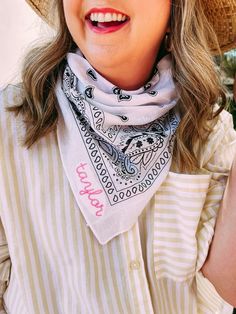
(128,80)
(128,75)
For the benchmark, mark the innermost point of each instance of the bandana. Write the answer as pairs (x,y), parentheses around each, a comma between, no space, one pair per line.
(115,145)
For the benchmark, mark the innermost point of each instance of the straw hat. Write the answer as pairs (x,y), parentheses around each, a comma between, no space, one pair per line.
(220,13)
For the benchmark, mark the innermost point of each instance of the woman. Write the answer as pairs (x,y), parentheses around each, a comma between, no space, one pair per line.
(115,162)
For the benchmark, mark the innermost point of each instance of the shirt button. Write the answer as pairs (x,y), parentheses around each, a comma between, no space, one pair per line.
(134,265)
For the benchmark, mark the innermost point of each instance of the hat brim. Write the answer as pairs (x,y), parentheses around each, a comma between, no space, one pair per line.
(41,8)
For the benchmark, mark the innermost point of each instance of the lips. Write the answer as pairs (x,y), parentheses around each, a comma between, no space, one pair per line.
(106,20)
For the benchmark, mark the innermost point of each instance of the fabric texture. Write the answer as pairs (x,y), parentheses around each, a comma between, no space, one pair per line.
(116,145)
(51,260)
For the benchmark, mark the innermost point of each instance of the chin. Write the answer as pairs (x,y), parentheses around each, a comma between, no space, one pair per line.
(102,58)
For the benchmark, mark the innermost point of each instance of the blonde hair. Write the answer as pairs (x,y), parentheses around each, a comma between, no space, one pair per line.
(193,70)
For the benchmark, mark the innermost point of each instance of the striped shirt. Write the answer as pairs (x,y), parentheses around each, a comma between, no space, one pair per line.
(50,261)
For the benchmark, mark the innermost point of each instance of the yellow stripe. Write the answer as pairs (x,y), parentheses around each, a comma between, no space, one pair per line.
(127,239)
(110,260)
(34,243)
(142,280)
(121,251)
(42,159)
(9,160)
(96,274)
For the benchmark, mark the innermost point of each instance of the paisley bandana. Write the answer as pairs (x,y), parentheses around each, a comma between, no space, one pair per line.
(115,145)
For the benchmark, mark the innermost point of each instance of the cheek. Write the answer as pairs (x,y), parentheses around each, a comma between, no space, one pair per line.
(72,5)
(156,24)
(72,11)
(158,13)
(74,15)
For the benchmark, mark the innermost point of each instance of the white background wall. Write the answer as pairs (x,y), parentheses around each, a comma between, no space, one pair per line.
(19,26)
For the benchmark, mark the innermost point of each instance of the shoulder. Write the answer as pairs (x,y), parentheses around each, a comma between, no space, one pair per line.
(219,150)
(11,95)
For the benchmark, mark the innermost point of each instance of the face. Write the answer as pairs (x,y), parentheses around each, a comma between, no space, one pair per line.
(116,46)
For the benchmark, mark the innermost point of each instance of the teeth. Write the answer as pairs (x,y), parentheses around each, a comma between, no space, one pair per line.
(108,17)
(101,17)
(119,17)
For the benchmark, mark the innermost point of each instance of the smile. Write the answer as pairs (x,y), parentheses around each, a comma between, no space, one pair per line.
(106,20)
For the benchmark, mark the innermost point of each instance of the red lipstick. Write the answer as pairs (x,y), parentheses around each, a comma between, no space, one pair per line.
(105,27)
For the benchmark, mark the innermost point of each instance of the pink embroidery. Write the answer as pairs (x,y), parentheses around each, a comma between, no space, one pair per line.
(88,190)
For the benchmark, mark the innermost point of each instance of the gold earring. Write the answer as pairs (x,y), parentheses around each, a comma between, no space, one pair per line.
(167,42)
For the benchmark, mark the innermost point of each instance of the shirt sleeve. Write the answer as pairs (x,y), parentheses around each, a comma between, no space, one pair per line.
(5,265)
(5,262)
(217,159)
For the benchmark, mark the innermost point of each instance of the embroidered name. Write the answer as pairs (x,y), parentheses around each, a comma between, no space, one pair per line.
(88,190)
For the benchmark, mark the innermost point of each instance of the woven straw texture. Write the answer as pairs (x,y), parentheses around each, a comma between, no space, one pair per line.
(42,8)
(221,14)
